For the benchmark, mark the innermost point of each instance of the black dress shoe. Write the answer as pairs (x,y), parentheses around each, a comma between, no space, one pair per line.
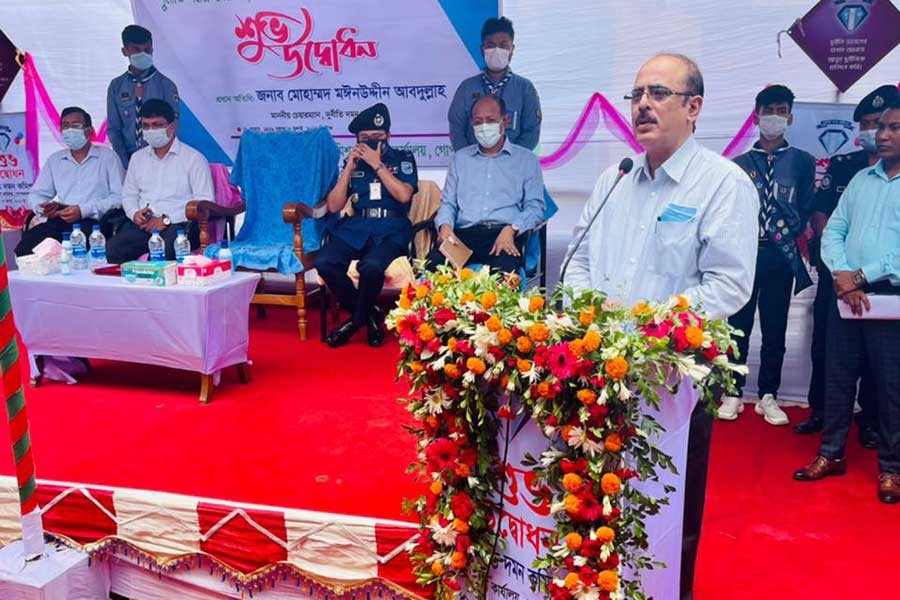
(375,330)
(811,425)
(341,334)
(868,437)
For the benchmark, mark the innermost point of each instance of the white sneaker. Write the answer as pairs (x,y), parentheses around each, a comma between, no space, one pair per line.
(731,407)
(771,412)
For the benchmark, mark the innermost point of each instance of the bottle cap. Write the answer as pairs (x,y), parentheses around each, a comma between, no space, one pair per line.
(76,227)
(66,236)
(96,228)
(223,245)
(156,232)
(180,232)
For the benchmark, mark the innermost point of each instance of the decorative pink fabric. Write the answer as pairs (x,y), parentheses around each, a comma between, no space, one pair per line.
(226,195)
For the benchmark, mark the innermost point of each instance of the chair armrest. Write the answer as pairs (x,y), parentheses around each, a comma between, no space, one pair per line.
(197,209)
(294,212)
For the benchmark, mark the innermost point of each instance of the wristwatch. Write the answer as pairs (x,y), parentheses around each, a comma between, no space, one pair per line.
(859,278)
(166,220)
(379,167)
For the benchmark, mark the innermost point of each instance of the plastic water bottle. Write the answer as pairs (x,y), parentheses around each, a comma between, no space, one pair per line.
(98,247)
(224,251)
(157,246)
(79,249)
(65,260)
(182,246)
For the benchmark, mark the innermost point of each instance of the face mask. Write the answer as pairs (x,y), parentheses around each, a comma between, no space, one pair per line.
(772,126)
(487,134)
(497,59)
(157,138)
(141,61)
(373,144)
(867,140)
(75,138)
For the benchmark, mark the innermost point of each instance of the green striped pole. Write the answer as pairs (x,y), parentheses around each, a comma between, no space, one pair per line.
(13,394)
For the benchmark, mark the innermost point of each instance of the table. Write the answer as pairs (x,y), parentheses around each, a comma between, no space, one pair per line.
(93,316)
(61,574)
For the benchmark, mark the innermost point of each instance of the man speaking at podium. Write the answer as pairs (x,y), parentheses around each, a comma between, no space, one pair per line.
(684,221)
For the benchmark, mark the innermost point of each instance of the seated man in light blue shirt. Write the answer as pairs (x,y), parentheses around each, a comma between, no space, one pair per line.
(861,248)
(494,193)
(78,185)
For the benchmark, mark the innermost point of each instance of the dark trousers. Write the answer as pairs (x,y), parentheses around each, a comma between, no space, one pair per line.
(852,344)
(480,240)
(130,243)
(53,228)
(772,288)
(333,260)
(825,299)
(699,438)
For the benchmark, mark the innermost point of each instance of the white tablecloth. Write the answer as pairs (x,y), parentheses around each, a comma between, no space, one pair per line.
(93,316)
(63,574)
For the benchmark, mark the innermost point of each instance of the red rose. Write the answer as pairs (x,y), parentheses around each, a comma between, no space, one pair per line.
(552,421)
(480,317)
(452,584)
(597,415)
(587,575)
(712,352)
(463,543)
(658,330)
(433,346)
(462,506)
(591,548)
(680,339)
(441,454)
(541,355)
(442,316)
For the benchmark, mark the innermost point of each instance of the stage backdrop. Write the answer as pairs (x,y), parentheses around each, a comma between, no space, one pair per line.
(276,65)
(16,173)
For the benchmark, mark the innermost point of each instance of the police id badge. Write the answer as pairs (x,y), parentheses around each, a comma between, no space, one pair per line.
(406,167)
(375,190)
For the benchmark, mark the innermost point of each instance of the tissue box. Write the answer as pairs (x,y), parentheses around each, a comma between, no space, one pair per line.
(203,275)
(158,273)
(33,264)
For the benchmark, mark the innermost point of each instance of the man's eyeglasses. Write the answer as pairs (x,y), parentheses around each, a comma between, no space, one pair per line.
(151,126)
(65,126)
(657,93)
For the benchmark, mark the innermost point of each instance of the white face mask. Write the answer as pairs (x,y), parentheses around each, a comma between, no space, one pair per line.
(141,61)
(75,138)
(488,134)
(772,126)
(497,59)
(867,140)
(157,138)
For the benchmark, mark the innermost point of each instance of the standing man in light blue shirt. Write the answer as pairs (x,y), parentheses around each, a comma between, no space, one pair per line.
(518,93)
(128,92)
(494,193)
(683,222)
(77,185)
(861,248)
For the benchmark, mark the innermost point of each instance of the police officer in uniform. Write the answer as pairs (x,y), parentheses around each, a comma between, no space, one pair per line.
(381,181)
(840,171)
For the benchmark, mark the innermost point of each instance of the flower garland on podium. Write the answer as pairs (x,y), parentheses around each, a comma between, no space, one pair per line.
(475,350)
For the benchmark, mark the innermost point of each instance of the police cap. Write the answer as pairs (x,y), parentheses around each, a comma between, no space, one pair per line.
(374,117)
(875,101)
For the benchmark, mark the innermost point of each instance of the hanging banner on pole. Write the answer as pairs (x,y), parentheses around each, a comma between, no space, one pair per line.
(275,65)
(16,171)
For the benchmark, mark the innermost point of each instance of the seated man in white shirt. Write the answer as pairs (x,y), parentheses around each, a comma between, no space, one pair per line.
(76,186)
(162,178)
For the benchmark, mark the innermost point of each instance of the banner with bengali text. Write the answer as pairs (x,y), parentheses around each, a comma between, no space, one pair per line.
(276,65)
(16,172)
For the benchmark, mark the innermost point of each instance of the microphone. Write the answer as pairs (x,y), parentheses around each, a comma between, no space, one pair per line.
(624,168)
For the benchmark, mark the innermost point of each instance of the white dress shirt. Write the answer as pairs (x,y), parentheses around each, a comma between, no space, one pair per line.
(166,184)
(690,230)
(94,184)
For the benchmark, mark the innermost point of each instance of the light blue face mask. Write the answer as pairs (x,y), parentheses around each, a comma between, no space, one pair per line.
(141,61)
(74,138)
(867,140)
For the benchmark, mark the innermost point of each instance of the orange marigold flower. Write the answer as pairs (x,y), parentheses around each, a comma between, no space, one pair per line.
(467,297)
(587,397)
(572,482)
(452,371)
(586,317)
(443,278)
(694,336)
(610,484)
(538,332)
(572,582)
(504,381)
(475,364)
(682,302)
(437,568)
(613,442)
(404,302)
(504,336)
(458,560)
(616,368)
(438,299)
(426,332)
(451,344)
(488,300)
(608,581)
(592,340)
(432,421)
(572,503)
(463,527)
(436,487)
(466,273)
(566,431)
(577,348)
(421,291)
(523,365)
(535,303)
(605,535)
(545,390)
(462,470)
(494,324)
(416,367)
(573,541)
(523,344)
(641,308)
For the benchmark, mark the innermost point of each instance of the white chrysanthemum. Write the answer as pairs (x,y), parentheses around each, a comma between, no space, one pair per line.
(576,437)
(688,367)
(587,593)
(624,392)
(591,447)
(558,322)
(483,340)
(557,507)
(580,560)
(607,506)
(445,536)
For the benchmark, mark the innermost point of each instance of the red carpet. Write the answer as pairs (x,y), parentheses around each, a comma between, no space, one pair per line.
(321,429)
